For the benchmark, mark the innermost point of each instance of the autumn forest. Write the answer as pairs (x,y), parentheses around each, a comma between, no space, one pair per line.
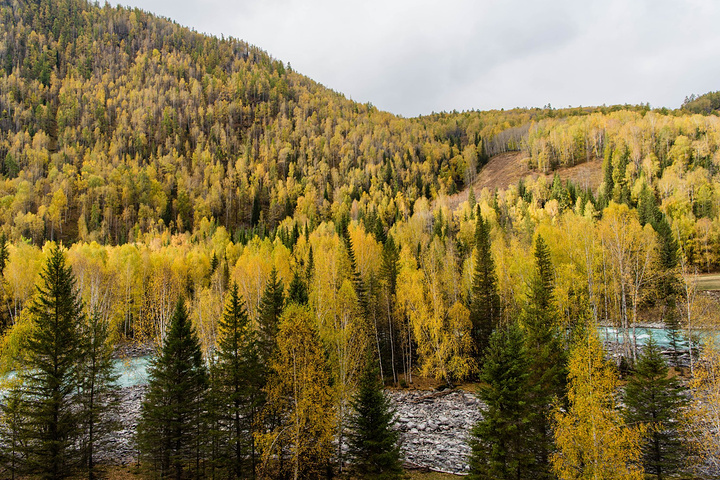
(286,255)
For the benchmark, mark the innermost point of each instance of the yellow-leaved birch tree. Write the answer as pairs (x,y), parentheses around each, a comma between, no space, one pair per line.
(592,439)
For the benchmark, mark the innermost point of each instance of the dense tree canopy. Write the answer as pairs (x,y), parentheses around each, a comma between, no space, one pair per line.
(174,165)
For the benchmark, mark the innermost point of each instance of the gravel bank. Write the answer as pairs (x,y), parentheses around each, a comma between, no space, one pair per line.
(433,427)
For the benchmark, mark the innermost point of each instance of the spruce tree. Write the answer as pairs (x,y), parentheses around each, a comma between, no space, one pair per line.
(297,291)
(471,201)
(669,283)
(373,444)
(647,209)
(49,379)
(500,441)
(389,265)
(170,429)
(11,422)
(271,308)
(4,253)
(98,396)
(546,355)
(213,264)
(237,382)
(668,286)
(484,299)
(653,399)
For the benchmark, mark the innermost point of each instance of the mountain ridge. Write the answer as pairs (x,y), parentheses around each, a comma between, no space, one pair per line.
(145,125)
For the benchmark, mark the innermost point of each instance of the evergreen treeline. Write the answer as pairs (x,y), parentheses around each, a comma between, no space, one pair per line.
(59,412)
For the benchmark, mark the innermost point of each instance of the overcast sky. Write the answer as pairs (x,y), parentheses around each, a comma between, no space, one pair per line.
(413,57)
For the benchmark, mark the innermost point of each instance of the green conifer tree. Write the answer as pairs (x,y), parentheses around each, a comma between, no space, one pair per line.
(373,444)
(389,268)
(500,441)
(668,284)
(213,264)
(49,376)
(484,299)
(4,253)
(98,396)
(297,291)
(472,201)
(648,211)
(11,422)
(237,382)
(271,308)
(546,355)
(170,430)
(653,399)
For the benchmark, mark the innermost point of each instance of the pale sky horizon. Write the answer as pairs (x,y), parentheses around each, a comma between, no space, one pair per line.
(415,57)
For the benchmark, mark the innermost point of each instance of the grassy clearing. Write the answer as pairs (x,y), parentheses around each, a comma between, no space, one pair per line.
(507,168)
(708,282)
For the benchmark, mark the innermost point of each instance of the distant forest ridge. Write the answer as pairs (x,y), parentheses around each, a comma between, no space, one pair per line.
(115,123)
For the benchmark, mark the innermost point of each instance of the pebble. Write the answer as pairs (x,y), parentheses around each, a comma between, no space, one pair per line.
(121,447)
(433,426)
(440,441)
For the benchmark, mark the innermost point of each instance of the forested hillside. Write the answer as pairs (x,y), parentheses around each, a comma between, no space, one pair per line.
(192,180)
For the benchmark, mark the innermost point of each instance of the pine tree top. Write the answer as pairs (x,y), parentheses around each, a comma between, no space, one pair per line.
(271,307)
(373,443)
(179,366)
(57,312)
(505,367)
(651,363)
(233,323)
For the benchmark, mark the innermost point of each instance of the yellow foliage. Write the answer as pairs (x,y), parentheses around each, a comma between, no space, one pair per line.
(299,398)
(253,268)
(21,273)
(592,439)
(12,343)
(441,330)
(702,416)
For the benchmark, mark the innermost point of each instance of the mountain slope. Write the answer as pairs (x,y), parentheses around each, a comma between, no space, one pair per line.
(145,125)
(509,168)
(115,123)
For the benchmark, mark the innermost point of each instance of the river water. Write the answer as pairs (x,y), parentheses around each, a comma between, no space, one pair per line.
(133,371)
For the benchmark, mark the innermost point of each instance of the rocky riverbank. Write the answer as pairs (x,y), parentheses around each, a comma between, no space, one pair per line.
(133,350)
(433,427)
(120,448)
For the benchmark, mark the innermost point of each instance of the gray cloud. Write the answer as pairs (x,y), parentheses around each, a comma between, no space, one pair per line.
(414,57)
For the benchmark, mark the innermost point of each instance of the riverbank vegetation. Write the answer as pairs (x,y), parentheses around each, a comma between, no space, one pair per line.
(170,168)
